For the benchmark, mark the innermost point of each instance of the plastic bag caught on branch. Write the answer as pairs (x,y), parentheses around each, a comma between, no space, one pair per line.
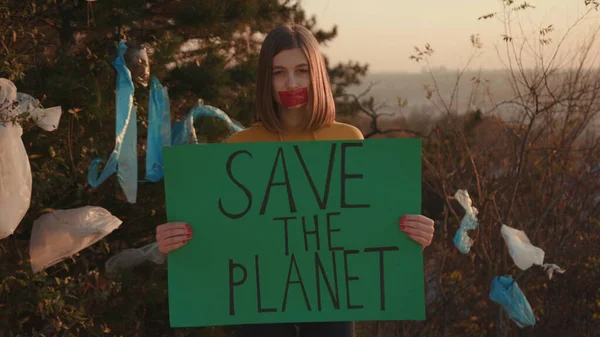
(8,99)
(137,62)
(123,159)
(160,133)
(133,257)
(183,131)
(15,171)
(462,241)
(523,253)
(13,104)
(15,180)
(550,268)
(63,233)
(159,130)
(506,292)
(46,119)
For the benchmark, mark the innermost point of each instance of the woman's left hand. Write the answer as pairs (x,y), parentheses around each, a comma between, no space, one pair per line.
(418,227)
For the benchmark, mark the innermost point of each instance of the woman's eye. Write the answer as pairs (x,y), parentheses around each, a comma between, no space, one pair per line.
(277,72)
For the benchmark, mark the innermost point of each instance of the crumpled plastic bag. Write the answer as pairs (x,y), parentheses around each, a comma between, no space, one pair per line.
(15,180)
(63,233)
(123,159)
(506,292)
(159,130)
(184,132)
(137,61)
(550,268)
(15,171)
(161,135)
(523,253)
(47,119)
(13,103)
(133,257)
(8,98)
(462,241)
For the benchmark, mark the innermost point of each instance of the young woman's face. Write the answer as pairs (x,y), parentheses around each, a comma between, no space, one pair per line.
(291,78)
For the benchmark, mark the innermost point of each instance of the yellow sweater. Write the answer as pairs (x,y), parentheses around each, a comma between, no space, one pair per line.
(258,133)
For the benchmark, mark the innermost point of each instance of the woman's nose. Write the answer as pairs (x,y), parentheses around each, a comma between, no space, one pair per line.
(291,83)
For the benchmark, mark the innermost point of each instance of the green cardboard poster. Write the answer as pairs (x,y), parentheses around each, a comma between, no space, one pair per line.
(294,232)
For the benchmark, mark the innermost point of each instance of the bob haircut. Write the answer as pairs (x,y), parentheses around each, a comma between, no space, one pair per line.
(320,106)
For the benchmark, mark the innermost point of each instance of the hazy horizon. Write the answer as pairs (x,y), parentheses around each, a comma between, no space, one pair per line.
(468,97)
(439,70)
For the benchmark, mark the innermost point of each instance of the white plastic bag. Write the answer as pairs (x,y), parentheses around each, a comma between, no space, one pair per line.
(132,257)
(62,233)
(46,119)
(13,103)
(15,171)
(8,98)
(462,241)
(523,253)
(15,180)
(464,199)
(550,268)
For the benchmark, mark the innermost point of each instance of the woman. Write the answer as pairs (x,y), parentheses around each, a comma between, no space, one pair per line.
(294,102)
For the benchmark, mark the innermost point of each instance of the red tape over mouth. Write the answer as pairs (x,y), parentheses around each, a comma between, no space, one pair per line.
(291,98)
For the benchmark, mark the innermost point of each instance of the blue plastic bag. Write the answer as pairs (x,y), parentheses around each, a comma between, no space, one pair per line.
(462,241)
(506,292)
(159,130)
(183,131)
(123,159)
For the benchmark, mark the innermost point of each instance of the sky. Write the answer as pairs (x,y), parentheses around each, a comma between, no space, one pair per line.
(383,33)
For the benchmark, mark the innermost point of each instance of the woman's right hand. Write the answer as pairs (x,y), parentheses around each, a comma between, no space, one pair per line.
(172,235)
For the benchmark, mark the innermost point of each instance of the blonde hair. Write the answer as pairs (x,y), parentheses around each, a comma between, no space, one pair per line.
(320,107)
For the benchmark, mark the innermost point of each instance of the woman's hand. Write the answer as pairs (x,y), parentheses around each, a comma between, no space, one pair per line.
(418,228)
(172,235)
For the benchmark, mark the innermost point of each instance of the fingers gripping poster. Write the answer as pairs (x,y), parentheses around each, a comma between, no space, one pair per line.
(294,232)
